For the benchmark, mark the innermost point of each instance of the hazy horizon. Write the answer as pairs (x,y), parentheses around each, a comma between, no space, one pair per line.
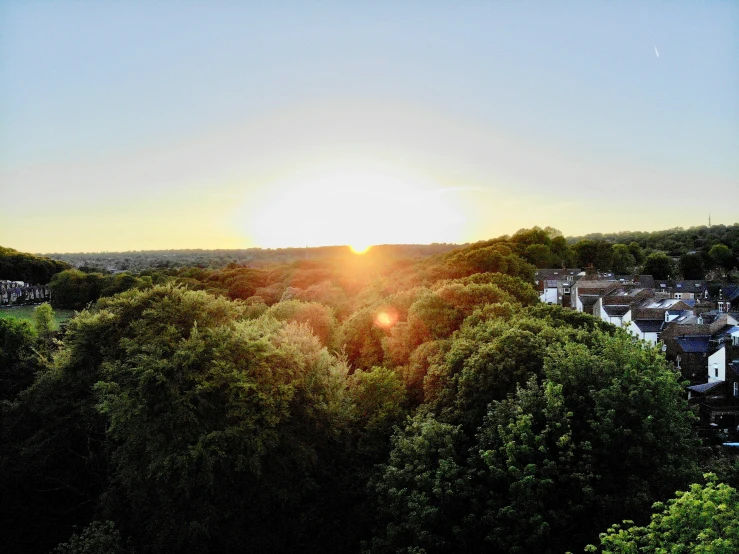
(162,125)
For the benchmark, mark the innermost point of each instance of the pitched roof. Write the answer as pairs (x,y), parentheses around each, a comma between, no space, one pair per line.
(664,303)
(730,292)
(649,325)
(554,273)
(697,343)
(686,285)
(616,310)
(705,387)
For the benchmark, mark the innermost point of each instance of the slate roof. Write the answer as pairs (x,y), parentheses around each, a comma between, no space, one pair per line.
(687,285)
(705,387)
(694,344)
(730,292)
(554,273)
(647,281)
(664,303)
(616,310)
(727,329)
(649,325)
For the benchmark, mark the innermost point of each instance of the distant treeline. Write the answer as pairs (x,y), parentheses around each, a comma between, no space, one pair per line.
(215,259)
(674,242)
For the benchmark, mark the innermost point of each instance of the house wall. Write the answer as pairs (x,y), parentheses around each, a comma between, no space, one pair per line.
(651,338)
(717,365)
(550,295)
(626,318)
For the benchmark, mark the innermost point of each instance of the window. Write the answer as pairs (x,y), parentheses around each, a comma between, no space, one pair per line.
(678,295)
(736,388)
(715,370)
(678,362)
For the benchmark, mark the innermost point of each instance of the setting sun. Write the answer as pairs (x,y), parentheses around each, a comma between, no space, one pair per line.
(359,248)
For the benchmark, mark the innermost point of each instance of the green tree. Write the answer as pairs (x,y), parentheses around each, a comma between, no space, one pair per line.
(74,290)
(379,400)
(45,327)
(539,255)
(414,494)
(596,429)
(20,266)
(691,266)
(722,257)
(704,519)
(659,265)
(623,260)
(100,537)
(319,318)
(18,360)
(360,338)
(219,426)
(637,252)
(597,253)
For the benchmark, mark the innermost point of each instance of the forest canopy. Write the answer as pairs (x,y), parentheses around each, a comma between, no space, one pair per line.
(353,405)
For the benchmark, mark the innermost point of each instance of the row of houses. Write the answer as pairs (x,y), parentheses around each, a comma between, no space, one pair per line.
(17,292)
(695,324)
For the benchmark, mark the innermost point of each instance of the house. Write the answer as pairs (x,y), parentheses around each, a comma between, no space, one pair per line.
(647,330)
(682,290)
(718,396)
(696,345)
(727,299)
(615,305)
(554,285)
(649,317)
(550,292)
(585,292)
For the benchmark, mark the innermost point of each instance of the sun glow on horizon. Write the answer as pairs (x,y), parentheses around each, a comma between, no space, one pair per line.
(360,248)
(357,207)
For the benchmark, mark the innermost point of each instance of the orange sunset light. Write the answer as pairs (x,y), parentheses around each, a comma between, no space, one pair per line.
(386,318)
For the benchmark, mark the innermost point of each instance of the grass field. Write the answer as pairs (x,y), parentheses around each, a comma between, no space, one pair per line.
(26,312)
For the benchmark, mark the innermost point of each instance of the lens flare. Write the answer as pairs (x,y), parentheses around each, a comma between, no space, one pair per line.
(386,318)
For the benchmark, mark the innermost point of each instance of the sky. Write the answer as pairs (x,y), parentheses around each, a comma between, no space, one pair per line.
(222,124)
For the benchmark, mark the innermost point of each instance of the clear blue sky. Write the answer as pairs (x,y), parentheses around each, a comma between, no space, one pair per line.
(162,124)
